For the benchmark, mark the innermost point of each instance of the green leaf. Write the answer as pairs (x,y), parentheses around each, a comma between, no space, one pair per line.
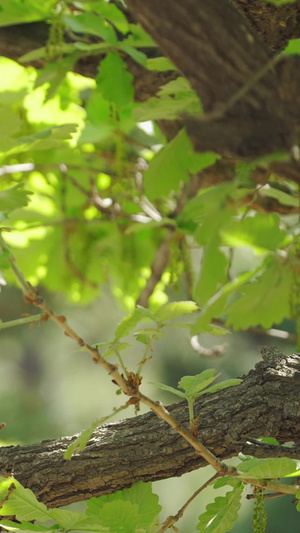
(138,37)
(81,441)
(172,100)
(67,520)
(213,272)
(113,14)
(280,2)
(130,322)
(43,140)
(167,388)
(277,467)
(226,480)
(270,440)
(16,12)
(90,23)
(221,515)
(116,346)
(172,162)
(202,160)
(192,385)
(160,64)
(216,305)
(265,301)
(292,48)
(129,510)
(282,197)
(175,309)
(23,504)
(55,72)
(9,525)
(115,82)
(13,198)
(261,232)
(223,385)
(137,55)
(216,330)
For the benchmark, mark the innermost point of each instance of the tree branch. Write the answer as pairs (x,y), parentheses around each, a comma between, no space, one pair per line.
(145,448)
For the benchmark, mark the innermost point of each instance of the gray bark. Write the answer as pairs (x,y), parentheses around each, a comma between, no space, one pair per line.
(145,448)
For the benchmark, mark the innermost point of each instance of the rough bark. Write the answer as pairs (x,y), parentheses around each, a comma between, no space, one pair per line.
(275,24)
(144,448)
(221,55)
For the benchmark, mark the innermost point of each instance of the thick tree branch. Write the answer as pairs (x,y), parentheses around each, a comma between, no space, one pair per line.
(252,105)
(145,448)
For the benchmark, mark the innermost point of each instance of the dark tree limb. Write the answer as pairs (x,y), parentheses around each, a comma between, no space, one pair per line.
(144,448)
(215,48)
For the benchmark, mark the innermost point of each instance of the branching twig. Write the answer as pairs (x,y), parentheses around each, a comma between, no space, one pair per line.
(158,266)
(128,386)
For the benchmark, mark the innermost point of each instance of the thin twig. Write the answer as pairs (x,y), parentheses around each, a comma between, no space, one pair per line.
(173,519)
(157,268)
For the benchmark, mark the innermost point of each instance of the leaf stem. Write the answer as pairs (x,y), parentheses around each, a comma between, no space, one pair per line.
(121,361)
(144,358)
(21,321)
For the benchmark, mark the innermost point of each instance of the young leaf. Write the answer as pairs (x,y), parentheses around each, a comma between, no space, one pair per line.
(81,441)
(67,520)
(114,81)
(276,467)
(174,162)
(174,310)
(137,55)
(90,23)
(13,198)
(216,305)
(138,501)
(192,385)
(9,525)
(221,515)
(266,301)
(293,47)
(261,232)
(223,385)
(171,162)
(130,322)
(162,386)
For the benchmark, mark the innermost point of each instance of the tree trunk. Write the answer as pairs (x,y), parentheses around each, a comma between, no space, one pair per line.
(145,448)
